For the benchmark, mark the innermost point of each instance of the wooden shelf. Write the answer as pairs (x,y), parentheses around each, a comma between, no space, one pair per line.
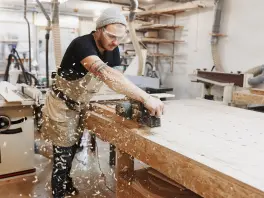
(158,27)
(219,35)
(145,185)
(160,55)
(155,40)
(150,55)
(171,11)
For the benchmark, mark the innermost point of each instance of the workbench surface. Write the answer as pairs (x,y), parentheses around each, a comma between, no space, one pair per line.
(227,139)
(200,142)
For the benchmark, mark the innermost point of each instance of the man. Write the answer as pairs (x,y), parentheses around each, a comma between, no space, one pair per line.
(87,63)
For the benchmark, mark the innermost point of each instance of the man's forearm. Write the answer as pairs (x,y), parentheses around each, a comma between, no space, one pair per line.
(119,83)
(113,78)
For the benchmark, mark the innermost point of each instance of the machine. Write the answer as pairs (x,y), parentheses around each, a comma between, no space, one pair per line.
(136,111)
(221,83)
(17,130)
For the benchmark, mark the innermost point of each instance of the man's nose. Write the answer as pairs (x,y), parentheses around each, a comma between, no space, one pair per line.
(115,42)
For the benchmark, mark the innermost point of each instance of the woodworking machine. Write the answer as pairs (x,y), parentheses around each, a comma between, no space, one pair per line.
(134,110)
(227,82)
(17,130)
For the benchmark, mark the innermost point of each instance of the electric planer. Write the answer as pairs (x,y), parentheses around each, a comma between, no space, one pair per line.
(135,110)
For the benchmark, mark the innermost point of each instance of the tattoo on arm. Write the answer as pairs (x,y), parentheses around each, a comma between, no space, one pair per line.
(94,66)
(101,66)
(97,66)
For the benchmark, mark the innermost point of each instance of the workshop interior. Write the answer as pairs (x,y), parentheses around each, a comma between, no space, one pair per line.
(202,58)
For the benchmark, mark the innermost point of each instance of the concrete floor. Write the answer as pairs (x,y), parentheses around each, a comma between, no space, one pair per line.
(86,174)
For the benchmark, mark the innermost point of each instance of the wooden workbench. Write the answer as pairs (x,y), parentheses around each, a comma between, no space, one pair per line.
(212,149)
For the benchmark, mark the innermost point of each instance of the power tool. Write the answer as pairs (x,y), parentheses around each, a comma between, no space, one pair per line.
(135,110)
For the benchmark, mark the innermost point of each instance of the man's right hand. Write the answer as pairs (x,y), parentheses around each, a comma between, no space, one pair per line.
(155,106)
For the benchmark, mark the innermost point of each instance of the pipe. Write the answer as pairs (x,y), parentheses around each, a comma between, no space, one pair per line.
(215,37)
(258,73)
(133,8)
(29,40)
(256,80)
(45,13)
(47,36)
(134,39)
(56,32)
(256,70)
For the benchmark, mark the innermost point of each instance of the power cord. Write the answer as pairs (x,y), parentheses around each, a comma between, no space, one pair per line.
(102,174)
(99,165)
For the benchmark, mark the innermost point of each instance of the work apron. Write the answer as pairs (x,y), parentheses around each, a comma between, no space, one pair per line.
(61,124)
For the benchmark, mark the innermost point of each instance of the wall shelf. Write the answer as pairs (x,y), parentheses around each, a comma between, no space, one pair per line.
(176,10)
(158,27)
(160,55)
(152,23)
(150,55)
(156,40)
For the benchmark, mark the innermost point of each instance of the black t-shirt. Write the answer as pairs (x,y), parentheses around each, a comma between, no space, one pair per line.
(81,47)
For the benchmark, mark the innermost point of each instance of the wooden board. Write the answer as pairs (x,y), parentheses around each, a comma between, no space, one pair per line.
(158,27)
(211,149)
(160,55)
(178,9)
(257,91)
(156,40)
(146,185)
(247,98)
(165,179)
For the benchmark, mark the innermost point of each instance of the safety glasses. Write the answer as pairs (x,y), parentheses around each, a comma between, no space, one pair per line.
(113,37)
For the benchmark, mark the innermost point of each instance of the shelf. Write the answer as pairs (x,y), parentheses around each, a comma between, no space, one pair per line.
(145,185)
(158,27)
(150,55)
(219,35)
(156,41)
(171,11)
(159,55)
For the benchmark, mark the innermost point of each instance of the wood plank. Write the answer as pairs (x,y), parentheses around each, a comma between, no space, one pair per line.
(178,9)
(145,185)
(155,40)
(246,98)
(164,178)
(150,55)
(257,91)
(212,166)
(158,27)
(160,55)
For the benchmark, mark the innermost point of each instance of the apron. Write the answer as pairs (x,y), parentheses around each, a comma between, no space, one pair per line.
(62,125)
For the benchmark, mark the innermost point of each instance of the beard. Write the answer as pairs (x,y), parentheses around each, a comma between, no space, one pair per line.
(100,43)
(106,45)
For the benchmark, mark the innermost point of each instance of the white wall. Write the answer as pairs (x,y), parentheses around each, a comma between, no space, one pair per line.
(239,51)
(12,23)
(69,29)
(14,27)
